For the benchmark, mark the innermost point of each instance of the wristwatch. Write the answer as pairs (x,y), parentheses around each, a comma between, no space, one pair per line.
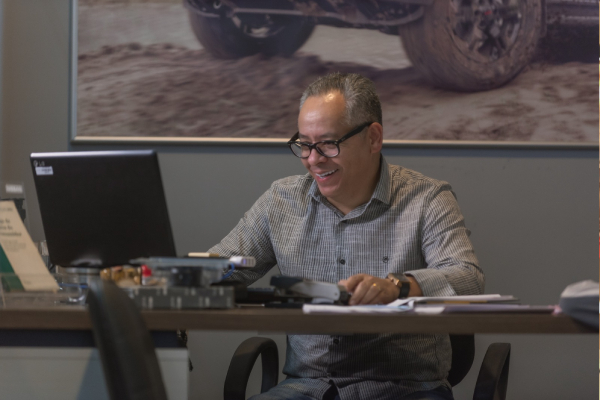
(402,282)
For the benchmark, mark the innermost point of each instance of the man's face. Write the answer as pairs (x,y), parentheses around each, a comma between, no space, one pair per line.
(347,179)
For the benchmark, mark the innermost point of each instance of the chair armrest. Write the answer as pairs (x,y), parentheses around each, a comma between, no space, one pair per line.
(242,363)
(493,375)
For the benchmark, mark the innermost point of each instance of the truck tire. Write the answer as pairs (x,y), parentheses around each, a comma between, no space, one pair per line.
(236,37)
(473,45)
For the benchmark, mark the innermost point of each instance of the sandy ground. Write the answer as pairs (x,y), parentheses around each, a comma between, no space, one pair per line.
(151,23)
(142,73)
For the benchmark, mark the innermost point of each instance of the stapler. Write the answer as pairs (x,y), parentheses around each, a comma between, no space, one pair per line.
(313,291)
(292,292)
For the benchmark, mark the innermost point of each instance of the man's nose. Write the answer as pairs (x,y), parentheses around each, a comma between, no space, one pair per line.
(315,157)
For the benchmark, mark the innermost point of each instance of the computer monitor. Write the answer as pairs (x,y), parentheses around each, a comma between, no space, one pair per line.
(102,208)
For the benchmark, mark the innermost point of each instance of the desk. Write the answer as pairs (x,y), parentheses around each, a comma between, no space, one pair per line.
(75,321)
(294,321)
(58,361)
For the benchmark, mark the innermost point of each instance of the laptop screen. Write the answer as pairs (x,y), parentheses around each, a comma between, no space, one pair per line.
(102,209)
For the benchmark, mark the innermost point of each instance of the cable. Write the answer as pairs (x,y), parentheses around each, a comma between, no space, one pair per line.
(228,274)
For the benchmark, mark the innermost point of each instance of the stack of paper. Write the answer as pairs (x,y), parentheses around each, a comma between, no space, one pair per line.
(434,305)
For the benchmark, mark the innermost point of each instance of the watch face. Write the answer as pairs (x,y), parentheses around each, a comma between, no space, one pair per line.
(402,282)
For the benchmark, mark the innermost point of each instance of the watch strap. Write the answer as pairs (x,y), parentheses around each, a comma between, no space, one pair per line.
(402,282)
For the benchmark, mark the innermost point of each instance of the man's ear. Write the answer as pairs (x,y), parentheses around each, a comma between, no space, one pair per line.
(375,137)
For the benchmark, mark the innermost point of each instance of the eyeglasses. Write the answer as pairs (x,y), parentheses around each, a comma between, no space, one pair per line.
(326,148)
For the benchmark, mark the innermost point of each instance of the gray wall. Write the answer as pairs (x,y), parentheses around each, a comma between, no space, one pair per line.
(1,41)
(532,212)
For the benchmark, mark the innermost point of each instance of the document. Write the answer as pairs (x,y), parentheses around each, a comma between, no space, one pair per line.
(364,309)
(19,256)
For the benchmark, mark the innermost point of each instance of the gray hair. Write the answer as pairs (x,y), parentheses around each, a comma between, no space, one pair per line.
(362,102)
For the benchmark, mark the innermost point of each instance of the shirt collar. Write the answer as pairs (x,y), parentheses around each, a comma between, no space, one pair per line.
(382,190)
(384,186)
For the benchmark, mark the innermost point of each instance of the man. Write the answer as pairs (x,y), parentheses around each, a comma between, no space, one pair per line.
(354,219)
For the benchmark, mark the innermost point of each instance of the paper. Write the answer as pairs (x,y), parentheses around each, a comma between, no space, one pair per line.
(365,309)
(18,254)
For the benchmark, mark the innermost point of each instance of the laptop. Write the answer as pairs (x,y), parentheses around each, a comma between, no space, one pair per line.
(102,208)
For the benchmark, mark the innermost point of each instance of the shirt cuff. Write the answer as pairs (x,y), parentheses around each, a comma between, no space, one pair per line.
(433,282)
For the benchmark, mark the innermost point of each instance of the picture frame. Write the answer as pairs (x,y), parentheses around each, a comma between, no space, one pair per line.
(407,79)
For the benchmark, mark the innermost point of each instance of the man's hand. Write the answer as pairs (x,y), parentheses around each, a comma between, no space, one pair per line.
(367,289)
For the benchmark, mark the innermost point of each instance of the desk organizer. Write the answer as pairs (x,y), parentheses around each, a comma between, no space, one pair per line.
(180,297)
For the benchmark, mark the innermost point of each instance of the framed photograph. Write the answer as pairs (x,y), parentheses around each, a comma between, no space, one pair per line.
(229,71)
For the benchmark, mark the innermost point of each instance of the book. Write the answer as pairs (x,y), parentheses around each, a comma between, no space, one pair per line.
(482,308)
(470,299)
(21,265)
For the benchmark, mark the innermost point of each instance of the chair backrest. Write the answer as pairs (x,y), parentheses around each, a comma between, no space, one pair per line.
(131,369)
(463,353)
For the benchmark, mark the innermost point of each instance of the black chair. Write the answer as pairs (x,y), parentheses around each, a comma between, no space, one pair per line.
(491,382)
(131,369)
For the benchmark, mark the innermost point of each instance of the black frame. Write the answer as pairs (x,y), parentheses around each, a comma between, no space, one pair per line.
(294,141)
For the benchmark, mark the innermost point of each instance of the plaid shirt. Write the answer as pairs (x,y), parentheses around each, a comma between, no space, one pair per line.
(412,224)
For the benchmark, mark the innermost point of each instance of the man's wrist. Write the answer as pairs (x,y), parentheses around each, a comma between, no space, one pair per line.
(415,288)
(402,282)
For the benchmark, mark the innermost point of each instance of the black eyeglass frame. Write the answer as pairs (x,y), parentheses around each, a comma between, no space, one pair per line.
(294,140)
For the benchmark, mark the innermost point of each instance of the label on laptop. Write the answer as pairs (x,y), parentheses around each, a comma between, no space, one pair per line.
(44,171)
(13,188)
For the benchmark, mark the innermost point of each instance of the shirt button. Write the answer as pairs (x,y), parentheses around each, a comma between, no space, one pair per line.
(333,374)
(336,341)
(342,261)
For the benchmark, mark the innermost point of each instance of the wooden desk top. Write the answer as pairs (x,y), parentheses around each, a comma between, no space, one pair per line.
(294,321)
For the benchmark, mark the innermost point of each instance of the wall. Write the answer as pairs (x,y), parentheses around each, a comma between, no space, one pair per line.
(1,41)
(532,212)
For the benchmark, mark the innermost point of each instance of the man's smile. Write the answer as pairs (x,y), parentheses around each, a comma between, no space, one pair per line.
(325,174)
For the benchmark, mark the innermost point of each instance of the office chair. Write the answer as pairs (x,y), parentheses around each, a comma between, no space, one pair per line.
(491,382)
(131,369)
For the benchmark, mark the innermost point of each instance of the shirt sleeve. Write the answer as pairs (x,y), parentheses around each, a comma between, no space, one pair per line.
(250,238)
(452,267)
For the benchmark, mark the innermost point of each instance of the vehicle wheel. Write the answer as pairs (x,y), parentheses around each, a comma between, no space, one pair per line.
(243,36)
(471,45)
